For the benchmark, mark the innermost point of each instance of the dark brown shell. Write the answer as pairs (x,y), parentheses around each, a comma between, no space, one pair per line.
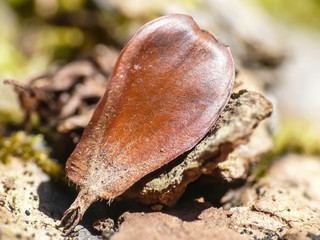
(166,91)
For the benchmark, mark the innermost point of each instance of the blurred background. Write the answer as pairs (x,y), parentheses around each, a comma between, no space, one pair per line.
(277,42)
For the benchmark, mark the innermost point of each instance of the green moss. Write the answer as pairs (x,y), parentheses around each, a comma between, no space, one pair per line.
(297,136)
(302,13)
(11,116)
(30,148)
(294,136)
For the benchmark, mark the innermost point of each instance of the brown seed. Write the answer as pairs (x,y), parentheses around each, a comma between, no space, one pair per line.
(166,91)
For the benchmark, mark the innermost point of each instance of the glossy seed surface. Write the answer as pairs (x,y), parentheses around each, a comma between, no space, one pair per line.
(166,91)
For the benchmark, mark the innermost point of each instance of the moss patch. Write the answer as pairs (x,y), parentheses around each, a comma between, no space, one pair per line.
(30,148)
(294,136)
(302,13)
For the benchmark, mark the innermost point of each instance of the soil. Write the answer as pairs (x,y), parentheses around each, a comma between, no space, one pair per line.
(282,205)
